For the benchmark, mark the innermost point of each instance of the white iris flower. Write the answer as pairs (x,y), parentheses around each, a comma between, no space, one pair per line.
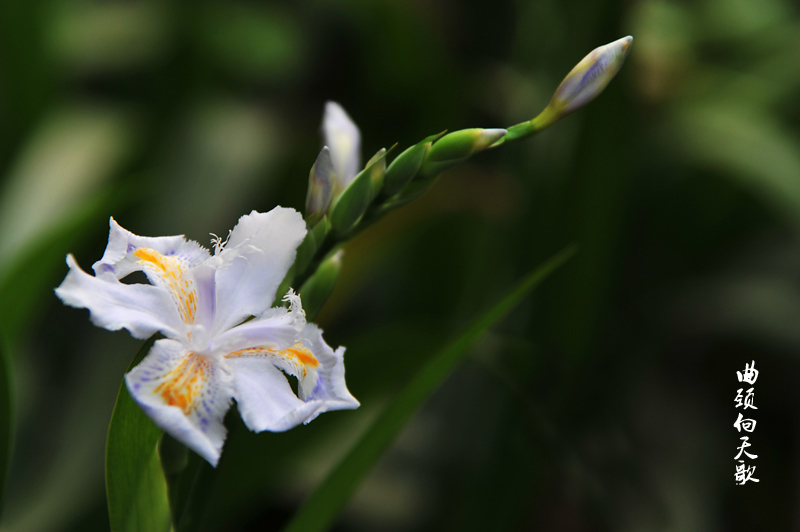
(213,351)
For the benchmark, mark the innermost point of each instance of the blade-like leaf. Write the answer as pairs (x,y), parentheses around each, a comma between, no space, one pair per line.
(135,484)
(323,506)
(5,416)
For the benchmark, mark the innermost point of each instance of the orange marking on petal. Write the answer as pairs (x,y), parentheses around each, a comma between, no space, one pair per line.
(149,255)
(303,355)
(249,351)
(171,273)
(297,352)
(179,387)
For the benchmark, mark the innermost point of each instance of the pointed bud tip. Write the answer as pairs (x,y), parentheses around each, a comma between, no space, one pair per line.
(625,42)
(495,132)
(489,137)
(331,105)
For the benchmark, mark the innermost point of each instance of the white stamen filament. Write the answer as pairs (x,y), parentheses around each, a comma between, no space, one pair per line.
(218,243)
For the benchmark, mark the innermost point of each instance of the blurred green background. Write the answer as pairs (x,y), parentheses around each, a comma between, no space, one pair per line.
(605,402)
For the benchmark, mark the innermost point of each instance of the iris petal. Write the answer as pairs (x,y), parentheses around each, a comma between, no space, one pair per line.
(265,398)
(120,259)
(259,253)
(277,328)
(185,394)
(141,309)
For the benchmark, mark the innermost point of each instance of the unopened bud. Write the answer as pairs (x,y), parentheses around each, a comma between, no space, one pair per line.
(457,147)
(589,77)
(344,140)
(348,208)
(320,186)
(406,166)
(582,85)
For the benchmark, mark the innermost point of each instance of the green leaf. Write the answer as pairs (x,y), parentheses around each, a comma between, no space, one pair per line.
(6,422)
(189,485)
(324,504)
(135,484)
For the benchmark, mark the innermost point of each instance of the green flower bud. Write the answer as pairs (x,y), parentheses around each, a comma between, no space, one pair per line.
(457,147)
(406,166)
(351,205)
(318,288)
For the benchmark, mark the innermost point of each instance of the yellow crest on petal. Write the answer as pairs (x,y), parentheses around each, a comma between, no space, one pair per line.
(169,273)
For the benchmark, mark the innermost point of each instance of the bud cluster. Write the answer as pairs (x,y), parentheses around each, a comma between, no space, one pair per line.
(342,199)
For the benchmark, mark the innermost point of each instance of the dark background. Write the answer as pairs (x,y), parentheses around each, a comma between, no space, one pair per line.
(605,402)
